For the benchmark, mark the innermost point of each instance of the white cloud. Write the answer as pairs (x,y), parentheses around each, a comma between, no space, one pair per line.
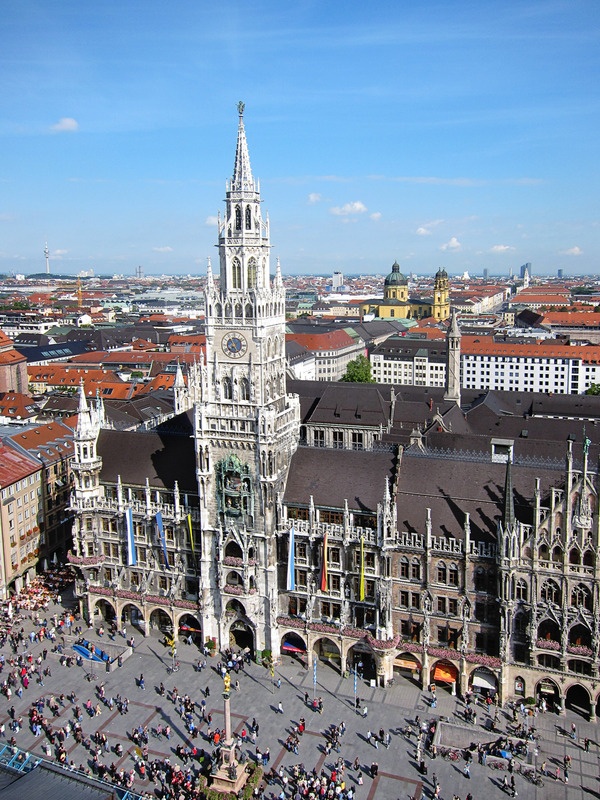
(452,244)
(165,249)
(501,248)
(58,253)
(314,197)
(65,125)
(212,221)
(375,216)
(573,251)
(356,207)
(426,228)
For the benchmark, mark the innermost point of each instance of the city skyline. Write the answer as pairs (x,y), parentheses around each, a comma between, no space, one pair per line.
(447,135)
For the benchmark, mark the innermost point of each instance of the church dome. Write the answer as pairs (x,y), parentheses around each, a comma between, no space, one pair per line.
(396,278)
(441,274)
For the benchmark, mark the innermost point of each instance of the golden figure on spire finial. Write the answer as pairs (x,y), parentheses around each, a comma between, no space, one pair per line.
(241,107)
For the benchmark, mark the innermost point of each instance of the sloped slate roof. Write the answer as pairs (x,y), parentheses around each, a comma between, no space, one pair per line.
(351,404)
(163,458)
(52,783)
(333,476)
(452,487)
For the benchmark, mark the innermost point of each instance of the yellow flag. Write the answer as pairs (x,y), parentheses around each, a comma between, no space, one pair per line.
(191,533)
(361,591)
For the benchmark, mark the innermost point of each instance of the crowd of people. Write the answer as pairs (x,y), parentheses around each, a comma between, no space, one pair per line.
(31,632)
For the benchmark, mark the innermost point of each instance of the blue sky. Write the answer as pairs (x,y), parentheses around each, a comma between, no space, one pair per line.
(458,134)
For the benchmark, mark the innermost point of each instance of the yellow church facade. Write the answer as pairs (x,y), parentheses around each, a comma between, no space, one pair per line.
(397,304)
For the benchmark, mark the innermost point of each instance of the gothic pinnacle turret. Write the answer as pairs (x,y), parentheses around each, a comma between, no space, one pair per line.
(242,180)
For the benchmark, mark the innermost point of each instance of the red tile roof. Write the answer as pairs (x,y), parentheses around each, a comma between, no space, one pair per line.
(14,465)
(333,340)
(485,345)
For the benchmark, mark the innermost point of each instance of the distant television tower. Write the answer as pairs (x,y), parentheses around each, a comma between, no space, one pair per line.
(47,255)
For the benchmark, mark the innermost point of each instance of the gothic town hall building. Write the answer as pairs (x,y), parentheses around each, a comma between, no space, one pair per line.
(400,531)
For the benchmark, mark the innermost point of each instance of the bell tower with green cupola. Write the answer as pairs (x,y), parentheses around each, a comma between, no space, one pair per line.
(246,427)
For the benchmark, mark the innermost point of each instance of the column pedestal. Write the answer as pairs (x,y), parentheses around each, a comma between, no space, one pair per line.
(230,777)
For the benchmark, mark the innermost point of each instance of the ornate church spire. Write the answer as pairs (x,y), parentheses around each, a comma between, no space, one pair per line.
(508,512)
(242,173)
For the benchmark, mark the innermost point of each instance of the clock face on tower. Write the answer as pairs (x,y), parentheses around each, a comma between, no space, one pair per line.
(234,345)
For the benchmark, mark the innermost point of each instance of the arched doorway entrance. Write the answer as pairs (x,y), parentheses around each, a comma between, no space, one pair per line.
(483,682)
(361,659)
(548,692)
(328,652)
(444,673)
(161,621)
(408,666)
(294,645)
(131,615)
(241,636)
(577,699)
(105,610)
(190,629)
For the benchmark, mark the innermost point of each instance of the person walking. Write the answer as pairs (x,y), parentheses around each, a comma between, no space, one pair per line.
(142,683)
(467,771)
(280,707)
(365,711)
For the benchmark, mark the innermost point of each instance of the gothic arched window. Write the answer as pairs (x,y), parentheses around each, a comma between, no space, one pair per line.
(453,575)
(236,274)
(227,389)
(551,593)
(404,567)
(480,579)
(521,591)
(441,572)
(248,219)
(244,389)
(581,597)
(415,569)
(238,218)
(252,273)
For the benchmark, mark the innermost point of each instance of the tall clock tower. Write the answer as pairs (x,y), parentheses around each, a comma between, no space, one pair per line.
(246,427)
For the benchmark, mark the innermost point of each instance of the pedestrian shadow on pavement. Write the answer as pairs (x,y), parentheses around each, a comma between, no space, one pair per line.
(587,790)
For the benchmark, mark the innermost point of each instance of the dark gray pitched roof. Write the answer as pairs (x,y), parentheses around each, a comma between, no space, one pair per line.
(161,457)
(333,476)
(451,487)
(52,783)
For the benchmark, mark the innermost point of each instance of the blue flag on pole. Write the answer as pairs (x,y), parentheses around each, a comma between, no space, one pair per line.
(291,569)
(161,533)
(131,554)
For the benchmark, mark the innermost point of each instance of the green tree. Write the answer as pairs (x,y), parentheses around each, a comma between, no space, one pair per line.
(593,388)
(358,371)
